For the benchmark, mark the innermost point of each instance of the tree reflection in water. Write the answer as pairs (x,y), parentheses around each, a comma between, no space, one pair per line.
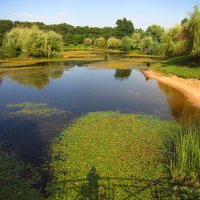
(121,74)
(37,77)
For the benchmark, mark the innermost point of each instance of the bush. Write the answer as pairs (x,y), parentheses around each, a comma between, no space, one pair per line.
(100,42)
(113,43)
(126,43)
(87,41)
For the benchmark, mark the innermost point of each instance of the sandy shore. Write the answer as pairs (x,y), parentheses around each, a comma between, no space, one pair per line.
(189,87)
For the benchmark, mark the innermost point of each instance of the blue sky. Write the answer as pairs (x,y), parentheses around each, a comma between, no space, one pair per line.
(98,12)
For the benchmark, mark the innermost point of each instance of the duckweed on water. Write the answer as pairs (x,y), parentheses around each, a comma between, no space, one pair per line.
(108,146)
(29,108)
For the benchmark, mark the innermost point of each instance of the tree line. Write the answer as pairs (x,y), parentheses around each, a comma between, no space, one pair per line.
(45,40)
(123,36)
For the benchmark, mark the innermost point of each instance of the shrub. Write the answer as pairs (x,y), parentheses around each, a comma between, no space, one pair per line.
(113,43)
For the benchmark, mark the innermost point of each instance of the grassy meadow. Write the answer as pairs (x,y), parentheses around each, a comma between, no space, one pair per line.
(184,67)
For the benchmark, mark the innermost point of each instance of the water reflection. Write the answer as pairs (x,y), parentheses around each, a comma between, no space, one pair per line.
(36,77)
(1,80)
(179,106)
(121,74)
(80,90)
(112,56)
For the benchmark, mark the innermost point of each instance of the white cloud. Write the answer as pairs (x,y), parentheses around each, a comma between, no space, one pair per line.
(61,17)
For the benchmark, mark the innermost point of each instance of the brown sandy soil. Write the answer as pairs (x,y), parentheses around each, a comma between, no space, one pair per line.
(189,87)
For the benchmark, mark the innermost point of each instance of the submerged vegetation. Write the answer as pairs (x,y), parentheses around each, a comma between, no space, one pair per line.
(33,109)
(18,180)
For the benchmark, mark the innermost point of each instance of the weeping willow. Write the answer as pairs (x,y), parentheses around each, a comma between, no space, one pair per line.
(195,31)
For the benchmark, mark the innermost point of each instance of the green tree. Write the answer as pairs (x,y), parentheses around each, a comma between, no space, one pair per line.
(5,26)
(136,40)
(194,27)
(113,43)
(124,27)
(35,42)
(100,42)
(54,42)
(87,41)
(12,40)
(147,43)
(126,43)
(156,32)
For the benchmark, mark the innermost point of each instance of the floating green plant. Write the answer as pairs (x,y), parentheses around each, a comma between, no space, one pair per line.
(29,108)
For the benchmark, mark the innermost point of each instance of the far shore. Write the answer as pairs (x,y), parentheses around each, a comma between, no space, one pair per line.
(189,87)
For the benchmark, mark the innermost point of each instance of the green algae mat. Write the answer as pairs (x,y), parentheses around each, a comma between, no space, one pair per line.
(108,155)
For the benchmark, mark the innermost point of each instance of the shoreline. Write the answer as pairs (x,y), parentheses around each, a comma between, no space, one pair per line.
(189,87)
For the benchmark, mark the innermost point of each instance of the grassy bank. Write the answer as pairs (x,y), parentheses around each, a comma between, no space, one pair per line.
(184,67)
(128,60)
(114,146)
(67,56)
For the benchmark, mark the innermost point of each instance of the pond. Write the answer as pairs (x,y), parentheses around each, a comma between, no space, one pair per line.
(76,89)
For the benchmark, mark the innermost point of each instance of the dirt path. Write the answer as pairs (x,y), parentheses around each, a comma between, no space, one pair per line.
(189,87)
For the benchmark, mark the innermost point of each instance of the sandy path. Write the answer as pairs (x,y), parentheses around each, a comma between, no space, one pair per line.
(189,87)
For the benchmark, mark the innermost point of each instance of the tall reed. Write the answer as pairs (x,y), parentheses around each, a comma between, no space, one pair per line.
(183,147)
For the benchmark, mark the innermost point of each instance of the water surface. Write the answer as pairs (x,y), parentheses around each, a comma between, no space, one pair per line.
(77,89)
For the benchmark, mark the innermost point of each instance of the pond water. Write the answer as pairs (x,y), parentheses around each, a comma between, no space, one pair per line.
(77,89)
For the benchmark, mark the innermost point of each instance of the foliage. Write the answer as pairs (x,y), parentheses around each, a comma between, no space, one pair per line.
(183,39)
(117,145)
(126,43)
(156,32)
(33,41)
(147,43)
(113,43)
(183,144)
(5,26)
(124,27)
(87,41)
(100,42)
(33,109)
(17,179)
(194,28)
(136,40)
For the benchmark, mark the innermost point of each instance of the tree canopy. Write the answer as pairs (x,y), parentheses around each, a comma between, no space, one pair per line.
(124,27)
(33,41)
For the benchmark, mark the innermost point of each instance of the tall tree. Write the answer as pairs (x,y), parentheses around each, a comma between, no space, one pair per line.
(5,26)
(124,27)
(156,32)
(194,27)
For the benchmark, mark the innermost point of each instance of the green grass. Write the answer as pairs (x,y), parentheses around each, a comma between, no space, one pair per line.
(33,109)
(184,151)
(184,67)
(116,145)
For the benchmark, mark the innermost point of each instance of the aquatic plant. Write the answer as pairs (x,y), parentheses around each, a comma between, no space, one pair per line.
(122,148)
(183,147)
(17,179)
(29,108)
